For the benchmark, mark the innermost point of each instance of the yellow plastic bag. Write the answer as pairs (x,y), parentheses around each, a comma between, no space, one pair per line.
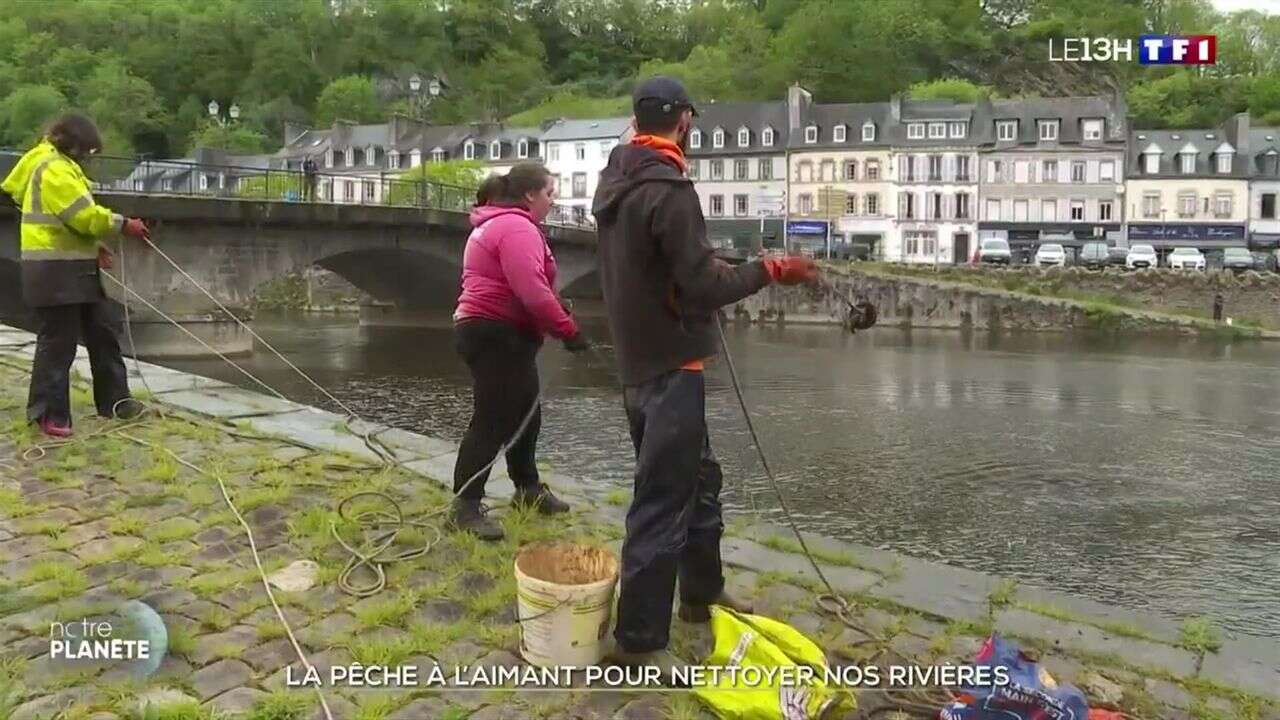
(753,640)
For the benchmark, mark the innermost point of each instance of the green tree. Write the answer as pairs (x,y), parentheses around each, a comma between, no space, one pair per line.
(26,112)
(450,184)
(1184,99)
(953,89)
(271,185)
(121,101)
(234,138)
(348,98)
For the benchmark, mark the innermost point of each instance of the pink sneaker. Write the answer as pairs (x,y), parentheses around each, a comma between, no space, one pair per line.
(59,431)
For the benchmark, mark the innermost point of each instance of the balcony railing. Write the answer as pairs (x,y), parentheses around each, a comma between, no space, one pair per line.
(188,178)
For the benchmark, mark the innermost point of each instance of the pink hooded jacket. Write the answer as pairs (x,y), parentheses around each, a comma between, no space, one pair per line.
(509,274)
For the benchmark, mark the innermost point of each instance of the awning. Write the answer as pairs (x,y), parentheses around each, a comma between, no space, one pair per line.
(1264,241)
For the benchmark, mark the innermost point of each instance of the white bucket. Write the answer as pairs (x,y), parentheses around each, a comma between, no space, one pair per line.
(564,597)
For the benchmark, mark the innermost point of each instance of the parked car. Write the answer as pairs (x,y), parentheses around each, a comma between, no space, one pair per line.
(1117,256)
(1266,262)
(1051,254)
(1094,255)
(1185,258)
(1237,260)
(995,251)
(1141,256)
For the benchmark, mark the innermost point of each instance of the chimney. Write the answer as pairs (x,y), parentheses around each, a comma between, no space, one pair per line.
(293,131)
(798,101)
(895,108)
(397,126)
(1237,132)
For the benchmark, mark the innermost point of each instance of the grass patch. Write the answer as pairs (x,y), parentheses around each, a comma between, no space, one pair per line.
(126,524)
(788,545)
(211,584)
(682,706)
(390,612)
(256,498)
(431,638)
(50,581)
(14,505)
(617,497)
(162,468)
(1199,635)
(216,619)
(127,587)
(1003,594)
(270,631)
(377,707)
(173,529)
(181,641)
(381,651)
(1115,628)
(181,711)
(975,628)
(281,705)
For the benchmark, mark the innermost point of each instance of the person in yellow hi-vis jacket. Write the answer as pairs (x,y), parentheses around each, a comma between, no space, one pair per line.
(62,251)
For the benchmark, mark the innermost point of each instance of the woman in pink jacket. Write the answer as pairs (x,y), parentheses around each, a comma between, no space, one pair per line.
(507,306)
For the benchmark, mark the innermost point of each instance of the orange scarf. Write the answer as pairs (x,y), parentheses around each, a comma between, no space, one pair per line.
(669,150)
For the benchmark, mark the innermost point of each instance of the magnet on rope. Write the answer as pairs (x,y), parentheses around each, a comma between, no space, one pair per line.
(860,314)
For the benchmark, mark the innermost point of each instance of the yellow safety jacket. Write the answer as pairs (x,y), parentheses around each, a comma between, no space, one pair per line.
(61,228)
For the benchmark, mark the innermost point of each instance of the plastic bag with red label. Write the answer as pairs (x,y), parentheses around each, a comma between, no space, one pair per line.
(1030,694)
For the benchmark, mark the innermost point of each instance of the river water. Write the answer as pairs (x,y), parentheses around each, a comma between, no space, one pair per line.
(1138,472)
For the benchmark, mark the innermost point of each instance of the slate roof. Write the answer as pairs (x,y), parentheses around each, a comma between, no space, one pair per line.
(1263,141)
(1070,113)
(853,116)
(732,116)
(594,129)
(1170,142)
(938,111)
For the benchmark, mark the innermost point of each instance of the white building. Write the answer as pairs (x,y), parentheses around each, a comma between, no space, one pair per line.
(737,160)
(575,151)
(935,178)
(1264,188)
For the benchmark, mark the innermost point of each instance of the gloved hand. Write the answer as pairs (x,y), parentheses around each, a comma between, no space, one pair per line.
(576,344)
(105,259)
(791,270)
(135,228)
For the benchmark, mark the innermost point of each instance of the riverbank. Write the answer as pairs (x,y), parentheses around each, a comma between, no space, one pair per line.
(77,529)
(1030,299)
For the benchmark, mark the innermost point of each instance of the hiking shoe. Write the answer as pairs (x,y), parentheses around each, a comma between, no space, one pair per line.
(696,613)
(128,409)
(540,497)
(48,427)
(470,516)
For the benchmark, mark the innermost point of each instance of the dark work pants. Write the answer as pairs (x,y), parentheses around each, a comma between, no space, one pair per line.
(674,524)
(504,372)
(61,328)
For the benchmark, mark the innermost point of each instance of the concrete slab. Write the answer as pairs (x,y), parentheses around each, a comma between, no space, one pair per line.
(1074,636)
(229,402)
(936,589)
(1098,614)
(315,428)
(406,445)
(1251,664)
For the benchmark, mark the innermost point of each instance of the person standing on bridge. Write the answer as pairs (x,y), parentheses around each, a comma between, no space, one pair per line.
(507,305)
(662,287)
(62,253)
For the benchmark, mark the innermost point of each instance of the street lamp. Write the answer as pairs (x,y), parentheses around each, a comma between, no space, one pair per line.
(422,102)
(233,112)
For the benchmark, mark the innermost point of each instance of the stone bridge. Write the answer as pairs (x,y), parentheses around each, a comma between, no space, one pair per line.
(403,256)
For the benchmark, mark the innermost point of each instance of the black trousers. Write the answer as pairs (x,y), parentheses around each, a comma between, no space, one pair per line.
(504,372)
(61,328)
(674,523)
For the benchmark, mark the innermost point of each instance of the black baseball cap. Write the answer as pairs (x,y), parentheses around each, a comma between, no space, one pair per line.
(665,91)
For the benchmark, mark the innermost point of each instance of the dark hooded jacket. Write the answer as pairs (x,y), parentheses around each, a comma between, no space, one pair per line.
(662,283)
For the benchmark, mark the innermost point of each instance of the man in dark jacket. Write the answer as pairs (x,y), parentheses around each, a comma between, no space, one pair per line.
(663,287)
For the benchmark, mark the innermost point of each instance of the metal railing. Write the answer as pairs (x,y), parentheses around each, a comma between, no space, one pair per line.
(372,186)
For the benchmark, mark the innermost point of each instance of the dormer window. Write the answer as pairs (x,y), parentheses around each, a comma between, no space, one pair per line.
(350,157)
(522,149)
(437,155)
(957,129)
(744,137)
(1092,129)
(328,158)
(766,137)
(1224,162)
(868,131)
(937,130)
(1007,130)
(1048,130)
(371,155)
(838,133)
(915,131)
(1151,158)
(811,134)
(415,158)
(393,160)
(1188,158)
(469,150)
(495,150)
(717,138)
(695,139)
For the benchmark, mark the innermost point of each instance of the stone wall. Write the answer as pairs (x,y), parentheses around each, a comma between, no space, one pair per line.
(942,301)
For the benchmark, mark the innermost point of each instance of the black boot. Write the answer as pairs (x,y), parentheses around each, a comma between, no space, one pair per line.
(540,497)
(469,516)
(689,612)
(128,409)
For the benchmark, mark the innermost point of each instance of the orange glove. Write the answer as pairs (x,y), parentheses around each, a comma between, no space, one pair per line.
(104,259)
(135,228)
(791,270)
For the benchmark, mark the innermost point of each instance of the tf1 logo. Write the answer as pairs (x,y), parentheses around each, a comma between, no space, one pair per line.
(1178,49)
(1152,49)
